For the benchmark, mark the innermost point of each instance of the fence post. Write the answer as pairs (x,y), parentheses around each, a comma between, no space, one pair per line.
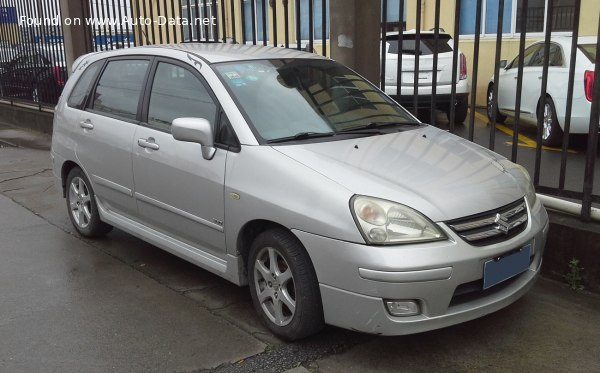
(355,33)
(77,38)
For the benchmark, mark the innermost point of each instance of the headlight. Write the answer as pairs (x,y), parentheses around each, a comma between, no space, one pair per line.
(530,195)
(383,222)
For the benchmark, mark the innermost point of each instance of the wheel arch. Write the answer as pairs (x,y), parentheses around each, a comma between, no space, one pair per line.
(64,172)
(246,236)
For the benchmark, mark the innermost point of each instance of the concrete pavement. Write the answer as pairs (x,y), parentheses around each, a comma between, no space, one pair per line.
(120,304)
(65,306)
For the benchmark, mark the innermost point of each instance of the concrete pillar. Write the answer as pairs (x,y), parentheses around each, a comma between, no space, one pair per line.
(355,33)
(77,39)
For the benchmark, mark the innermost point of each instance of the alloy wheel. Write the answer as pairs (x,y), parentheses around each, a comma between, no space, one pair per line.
(490,104)
(274,284)
(80,202)
(547,121)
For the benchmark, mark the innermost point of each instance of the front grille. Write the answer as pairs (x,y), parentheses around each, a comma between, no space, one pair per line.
(492,226)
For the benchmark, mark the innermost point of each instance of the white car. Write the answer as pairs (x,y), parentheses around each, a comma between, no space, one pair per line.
(552,108)
(444,76)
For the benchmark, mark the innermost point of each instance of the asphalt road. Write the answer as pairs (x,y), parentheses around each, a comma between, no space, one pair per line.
(120,304)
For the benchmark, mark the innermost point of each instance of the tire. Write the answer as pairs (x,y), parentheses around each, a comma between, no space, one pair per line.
(82,207)
(461,110)
(552,134)
(283,285)
(499,117)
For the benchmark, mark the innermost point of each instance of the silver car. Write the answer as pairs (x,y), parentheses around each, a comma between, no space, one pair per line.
(290,173)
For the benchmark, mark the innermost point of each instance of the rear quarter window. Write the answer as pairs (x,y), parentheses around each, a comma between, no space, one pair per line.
(82,88)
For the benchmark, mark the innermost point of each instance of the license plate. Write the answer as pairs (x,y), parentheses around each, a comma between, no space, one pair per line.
(497,270)
(409,77)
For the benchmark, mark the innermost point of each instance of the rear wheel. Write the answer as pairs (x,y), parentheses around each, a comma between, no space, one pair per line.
(284,287)
(490,106)
(552,134)
(461,109)
(81,202)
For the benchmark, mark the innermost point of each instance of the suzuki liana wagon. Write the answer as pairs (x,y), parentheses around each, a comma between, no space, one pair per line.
(290,173)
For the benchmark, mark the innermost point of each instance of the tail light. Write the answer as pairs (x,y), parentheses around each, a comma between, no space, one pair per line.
(58,75)
(588,84)
(463,67)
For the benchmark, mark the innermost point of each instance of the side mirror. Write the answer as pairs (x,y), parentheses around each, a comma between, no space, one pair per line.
(196,130)
(503,64)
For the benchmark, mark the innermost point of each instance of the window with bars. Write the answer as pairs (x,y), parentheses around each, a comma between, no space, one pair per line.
(562,18)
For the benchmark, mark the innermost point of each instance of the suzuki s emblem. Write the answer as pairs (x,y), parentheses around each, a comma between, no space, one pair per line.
(502,224)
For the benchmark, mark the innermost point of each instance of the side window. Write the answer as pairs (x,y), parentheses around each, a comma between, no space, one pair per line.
(528,55)
(118,91)
(81,90)
(556,56)
(178,93)
(537,58)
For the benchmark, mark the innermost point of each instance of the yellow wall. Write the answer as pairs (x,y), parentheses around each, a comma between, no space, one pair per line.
(155,8)
(487,47)
(10,33)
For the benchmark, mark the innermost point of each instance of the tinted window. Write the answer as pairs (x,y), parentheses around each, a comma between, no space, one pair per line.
(538,57)
(589,50)
(529,53)
(178,93)
(225,134)
(81,90)
(426,47)
(119,88)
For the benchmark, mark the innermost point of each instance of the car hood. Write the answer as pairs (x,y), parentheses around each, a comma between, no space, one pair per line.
(441,175)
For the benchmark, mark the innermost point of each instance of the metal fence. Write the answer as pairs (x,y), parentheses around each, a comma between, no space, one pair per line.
(560,18)
(303,24)
(32,56)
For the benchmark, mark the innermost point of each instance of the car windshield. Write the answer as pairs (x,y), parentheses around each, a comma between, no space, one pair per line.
(300,97)
(426,47)
(589,50)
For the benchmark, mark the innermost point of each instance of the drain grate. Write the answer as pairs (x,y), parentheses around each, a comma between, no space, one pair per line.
(6,144)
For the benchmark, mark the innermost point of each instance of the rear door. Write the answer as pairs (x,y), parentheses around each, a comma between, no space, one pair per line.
(179,192)
(106,130)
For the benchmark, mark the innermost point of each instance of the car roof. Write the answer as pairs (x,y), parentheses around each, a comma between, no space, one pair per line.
(221,52)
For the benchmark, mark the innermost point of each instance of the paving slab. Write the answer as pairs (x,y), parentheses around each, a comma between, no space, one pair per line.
(66,306)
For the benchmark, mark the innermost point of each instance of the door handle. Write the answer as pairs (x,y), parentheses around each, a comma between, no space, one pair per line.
(149,144)
(86,124)
(539,77)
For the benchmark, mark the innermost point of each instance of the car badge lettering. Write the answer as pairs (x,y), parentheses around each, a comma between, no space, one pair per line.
(502,224)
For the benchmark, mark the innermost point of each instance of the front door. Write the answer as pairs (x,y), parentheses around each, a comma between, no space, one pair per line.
(178,192)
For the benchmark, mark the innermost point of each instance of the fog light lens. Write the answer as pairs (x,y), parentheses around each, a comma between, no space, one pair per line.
(402,307)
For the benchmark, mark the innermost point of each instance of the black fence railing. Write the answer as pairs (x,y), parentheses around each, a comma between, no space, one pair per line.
(513,97)
(32,56)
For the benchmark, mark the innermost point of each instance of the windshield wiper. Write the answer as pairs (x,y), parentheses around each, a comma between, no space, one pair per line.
(301,136)
(377,125)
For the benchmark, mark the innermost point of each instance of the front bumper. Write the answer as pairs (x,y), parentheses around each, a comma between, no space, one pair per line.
(443,277)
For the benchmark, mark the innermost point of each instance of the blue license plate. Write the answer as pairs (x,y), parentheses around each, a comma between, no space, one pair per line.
(497,270)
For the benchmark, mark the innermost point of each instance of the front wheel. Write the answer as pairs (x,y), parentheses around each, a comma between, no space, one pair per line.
(283,285)
(81,203)
(552,134)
